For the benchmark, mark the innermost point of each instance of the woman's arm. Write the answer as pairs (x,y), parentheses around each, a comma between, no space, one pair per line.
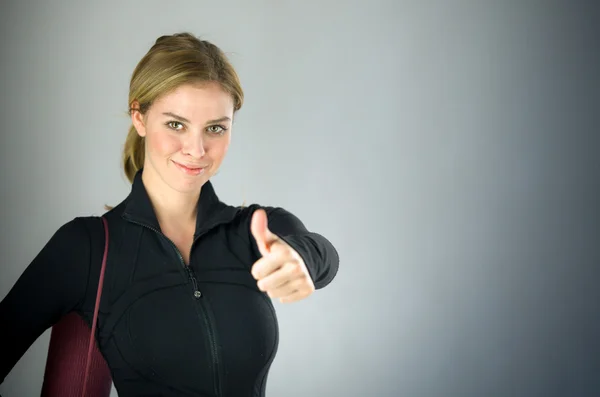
(53,284)
(319,254)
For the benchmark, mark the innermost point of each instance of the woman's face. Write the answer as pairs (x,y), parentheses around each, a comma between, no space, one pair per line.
(187,134)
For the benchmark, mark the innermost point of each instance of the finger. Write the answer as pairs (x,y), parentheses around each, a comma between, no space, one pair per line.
(267,265)
(295,296)
(287,273)
(260,231)
(286,289)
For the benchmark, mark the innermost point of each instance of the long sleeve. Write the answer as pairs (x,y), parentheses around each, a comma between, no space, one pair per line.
(53,284)
(319,254)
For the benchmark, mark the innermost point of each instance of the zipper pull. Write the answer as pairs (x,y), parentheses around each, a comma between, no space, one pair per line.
(197,293)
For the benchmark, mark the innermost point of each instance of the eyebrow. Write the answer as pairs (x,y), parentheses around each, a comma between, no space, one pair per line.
(184,120)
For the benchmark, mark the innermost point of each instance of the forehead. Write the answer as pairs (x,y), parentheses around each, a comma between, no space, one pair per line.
(196,102)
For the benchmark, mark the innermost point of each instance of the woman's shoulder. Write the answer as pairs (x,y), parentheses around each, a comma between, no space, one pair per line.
(79,244)
(79,229)
(63,266)
(76,239)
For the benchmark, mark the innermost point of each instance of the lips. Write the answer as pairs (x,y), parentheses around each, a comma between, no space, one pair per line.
(192,169)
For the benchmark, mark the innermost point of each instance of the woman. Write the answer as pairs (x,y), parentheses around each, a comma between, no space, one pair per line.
(186,308)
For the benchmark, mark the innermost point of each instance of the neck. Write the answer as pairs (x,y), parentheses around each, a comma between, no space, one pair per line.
(170,205)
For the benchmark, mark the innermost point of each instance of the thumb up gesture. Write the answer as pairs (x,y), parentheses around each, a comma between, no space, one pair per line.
(280,272)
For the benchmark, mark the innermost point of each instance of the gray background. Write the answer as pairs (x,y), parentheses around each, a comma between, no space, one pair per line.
(448,149)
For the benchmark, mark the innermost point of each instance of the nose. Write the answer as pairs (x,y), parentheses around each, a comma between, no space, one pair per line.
(193,145)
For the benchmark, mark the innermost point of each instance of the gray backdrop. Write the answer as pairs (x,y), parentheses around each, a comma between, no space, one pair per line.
(448,149)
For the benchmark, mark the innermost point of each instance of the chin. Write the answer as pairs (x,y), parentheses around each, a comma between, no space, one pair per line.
(187,184)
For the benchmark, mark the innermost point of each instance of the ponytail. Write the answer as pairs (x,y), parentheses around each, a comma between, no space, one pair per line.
(133,154)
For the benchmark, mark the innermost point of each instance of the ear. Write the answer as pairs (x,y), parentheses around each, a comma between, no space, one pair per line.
(137,119)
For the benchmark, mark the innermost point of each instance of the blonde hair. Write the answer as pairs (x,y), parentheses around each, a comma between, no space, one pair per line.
(174,60)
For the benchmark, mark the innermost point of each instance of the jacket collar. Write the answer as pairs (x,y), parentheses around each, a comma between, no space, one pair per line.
(211,210)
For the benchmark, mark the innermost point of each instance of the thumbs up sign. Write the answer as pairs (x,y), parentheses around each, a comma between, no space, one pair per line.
(280,272)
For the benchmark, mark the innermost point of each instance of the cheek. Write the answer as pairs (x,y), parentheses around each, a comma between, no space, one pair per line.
(225,144)
(219,150)
(163,144)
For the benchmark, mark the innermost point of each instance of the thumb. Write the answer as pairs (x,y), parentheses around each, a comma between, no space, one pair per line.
(260,230)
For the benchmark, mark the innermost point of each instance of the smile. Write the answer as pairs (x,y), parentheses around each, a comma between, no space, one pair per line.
(189,170)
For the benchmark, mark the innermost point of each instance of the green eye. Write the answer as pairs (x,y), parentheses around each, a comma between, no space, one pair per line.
(217,129)
(173,125)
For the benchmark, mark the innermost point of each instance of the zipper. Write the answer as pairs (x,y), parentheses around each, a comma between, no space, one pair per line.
(192,277)
(197,294)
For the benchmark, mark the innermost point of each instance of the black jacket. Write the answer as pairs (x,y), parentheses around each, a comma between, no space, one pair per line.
(164,328)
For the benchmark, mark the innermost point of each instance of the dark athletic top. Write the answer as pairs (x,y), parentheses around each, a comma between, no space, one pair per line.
(164,328)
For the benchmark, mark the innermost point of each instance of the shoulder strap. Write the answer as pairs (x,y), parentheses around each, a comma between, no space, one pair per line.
(96,308)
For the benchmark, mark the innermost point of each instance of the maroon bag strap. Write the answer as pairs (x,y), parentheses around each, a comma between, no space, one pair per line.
(96,308)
